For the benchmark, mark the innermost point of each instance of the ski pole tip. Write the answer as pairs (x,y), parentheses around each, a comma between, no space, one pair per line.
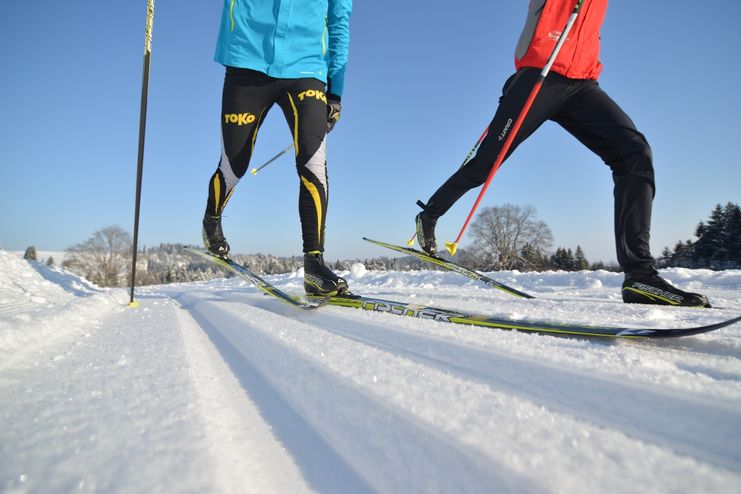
(452,247)
(133,304)
(253,171)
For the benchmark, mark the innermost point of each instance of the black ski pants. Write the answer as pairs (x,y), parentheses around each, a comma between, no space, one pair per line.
(582,108)
(247,97)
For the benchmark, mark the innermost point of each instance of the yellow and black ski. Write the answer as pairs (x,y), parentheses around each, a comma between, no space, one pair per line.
(454,316)
(248,275)
(483,321)
(457,268)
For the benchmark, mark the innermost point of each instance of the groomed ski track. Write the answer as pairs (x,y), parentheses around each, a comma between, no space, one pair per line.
(369,403)
(216,387)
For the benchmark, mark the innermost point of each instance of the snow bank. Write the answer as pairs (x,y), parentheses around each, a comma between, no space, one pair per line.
(40,305)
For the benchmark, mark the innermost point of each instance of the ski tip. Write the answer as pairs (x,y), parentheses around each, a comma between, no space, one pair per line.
(452,247)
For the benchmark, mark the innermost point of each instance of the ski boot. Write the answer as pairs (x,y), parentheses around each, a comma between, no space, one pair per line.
(653,289)
(213,236)
(319,280)
(426,233)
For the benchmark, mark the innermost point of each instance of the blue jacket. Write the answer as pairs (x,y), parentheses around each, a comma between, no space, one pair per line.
(287,39)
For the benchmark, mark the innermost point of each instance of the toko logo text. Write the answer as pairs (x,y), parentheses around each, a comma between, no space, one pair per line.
(239,118)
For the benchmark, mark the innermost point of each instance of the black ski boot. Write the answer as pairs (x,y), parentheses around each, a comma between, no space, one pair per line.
(319,280)
(653,289)
(426,233)
(213,236)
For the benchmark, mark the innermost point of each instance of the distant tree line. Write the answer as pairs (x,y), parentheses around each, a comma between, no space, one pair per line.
(511,237)
(507,237)
(105,259)
(717,244)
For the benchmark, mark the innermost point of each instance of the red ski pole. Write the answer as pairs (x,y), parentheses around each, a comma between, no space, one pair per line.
(453,246)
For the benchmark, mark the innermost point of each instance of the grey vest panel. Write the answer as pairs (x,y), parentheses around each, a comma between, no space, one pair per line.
(533,15)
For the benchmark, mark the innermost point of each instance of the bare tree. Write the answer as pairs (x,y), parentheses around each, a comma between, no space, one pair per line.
(506,237)
(103,258)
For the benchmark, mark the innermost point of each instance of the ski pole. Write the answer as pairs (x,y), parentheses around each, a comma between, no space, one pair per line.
(255,170)
(474,148)
(453,246)
(410,242)
(142,128)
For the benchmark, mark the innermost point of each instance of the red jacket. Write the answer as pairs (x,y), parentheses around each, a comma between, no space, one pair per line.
(579,55)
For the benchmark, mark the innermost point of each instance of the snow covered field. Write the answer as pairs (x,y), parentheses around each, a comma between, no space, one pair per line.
(215,387)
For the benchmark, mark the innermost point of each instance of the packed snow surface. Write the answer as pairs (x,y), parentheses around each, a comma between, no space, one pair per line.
(214,387)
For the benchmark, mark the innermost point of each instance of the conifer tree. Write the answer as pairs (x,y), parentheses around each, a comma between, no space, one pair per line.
(580,260)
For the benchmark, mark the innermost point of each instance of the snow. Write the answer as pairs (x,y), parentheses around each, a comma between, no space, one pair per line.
(215,387)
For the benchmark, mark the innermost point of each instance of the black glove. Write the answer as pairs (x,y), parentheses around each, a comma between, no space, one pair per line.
(333,111)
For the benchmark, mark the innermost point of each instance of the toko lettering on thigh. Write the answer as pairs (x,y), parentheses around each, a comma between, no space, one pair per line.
(313,93)
(239,118)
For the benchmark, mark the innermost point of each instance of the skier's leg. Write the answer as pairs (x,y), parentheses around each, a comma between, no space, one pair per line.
(514,93)
(598,122)
(474,173)
(304,105)
(246,98)
(601,125)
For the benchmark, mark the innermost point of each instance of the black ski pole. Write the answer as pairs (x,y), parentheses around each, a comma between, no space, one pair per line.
(142,128)
(255,170)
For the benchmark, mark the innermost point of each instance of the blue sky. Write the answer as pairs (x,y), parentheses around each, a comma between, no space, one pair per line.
(422,83)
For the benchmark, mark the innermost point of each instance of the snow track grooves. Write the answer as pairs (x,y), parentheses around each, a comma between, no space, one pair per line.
(607,402)
(333,379)
(300,399)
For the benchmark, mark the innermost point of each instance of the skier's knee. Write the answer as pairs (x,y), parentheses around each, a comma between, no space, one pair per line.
(637,163)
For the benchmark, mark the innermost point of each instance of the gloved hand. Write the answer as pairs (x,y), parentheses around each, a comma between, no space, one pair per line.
(333,111)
